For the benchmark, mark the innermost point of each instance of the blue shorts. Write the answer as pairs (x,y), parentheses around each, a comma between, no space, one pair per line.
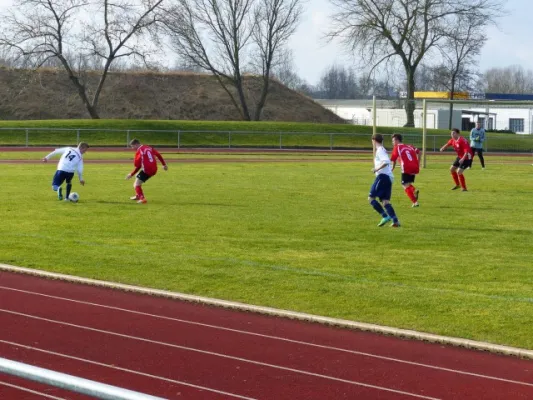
(381,188)
(62,176)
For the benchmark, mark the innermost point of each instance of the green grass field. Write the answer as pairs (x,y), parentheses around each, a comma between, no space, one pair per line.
(296,235)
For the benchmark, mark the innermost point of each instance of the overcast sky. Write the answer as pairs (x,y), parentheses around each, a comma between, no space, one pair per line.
(511,44)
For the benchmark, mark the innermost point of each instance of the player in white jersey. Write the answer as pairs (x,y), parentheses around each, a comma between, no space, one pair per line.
(382,186)
(71,161)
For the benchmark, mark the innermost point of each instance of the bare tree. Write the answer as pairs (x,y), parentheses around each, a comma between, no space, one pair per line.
(223,36)
(513,79)
(61,32)
(285,71)
(460,49)
(380,30)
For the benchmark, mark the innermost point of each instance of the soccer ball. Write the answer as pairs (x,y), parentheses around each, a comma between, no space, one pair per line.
(74,197)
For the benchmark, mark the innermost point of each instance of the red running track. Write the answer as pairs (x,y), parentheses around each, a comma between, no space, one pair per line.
(180,350)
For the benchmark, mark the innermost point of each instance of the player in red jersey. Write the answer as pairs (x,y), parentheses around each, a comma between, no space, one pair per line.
(409,157)
(146,162)
(463,160)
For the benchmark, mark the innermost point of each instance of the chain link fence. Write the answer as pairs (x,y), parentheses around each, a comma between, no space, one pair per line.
(49,137)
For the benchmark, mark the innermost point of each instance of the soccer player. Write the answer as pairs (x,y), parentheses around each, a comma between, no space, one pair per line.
(463,160)
(146,162)
(409,157)
(71,160)
(382,186)
(477,137)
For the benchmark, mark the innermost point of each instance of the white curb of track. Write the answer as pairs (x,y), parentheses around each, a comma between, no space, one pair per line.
(384,330)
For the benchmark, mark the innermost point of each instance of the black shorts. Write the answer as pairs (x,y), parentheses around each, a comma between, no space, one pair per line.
(408,178)
(479,151)
(143,176)
(462,165)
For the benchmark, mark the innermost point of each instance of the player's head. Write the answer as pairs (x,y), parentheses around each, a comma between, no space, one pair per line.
(378,138)
(478,124)
(455,133)
(83,147)
(397,138)
(135,143)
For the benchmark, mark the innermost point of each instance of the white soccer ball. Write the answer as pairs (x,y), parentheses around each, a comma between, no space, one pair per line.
(74,197)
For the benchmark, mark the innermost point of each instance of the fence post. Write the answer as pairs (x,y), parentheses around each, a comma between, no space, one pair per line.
(280,144)
(127,138)
(331,141)
(229,140)
(77,135)
(179,139)
(27,138)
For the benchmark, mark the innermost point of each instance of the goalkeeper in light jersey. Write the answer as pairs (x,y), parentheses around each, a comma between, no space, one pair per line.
(71,161)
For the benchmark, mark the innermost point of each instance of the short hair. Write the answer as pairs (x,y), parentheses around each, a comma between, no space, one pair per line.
(456,131)
(134,141)
(398,137)
(378,137)
(83,145)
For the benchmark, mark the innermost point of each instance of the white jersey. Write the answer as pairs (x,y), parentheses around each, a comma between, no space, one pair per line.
(71,160)
(382,158)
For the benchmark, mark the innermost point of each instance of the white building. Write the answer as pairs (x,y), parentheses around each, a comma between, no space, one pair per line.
(391,113)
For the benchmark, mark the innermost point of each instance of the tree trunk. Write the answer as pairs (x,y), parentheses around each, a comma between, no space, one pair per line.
(410,102)
(262,99)
(239,85)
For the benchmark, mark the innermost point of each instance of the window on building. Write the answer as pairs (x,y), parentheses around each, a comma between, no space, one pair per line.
(516,124)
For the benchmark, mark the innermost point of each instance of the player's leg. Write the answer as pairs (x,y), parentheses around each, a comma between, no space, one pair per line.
(141,178)
(391,213)
(409,189)
(374,193)
(68,178)
(481,158)
(460,172)
(453,172)
(57,181)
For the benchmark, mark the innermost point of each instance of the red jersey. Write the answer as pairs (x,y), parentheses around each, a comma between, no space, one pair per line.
(144,158)
(461,147)
(408,156)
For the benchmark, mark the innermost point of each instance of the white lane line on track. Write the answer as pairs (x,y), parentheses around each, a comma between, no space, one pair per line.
(355,352)
(209,353)
(2,383)
(130,371)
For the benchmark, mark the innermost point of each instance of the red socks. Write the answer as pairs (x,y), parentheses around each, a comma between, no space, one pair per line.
(463,182)
(410,192)
(139,192)
(455,177)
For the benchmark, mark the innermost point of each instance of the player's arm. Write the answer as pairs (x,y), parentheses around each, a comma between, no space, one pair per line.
(448,144)
(161,159)
(80,173)
(54,153)
(137,163)
(394,157)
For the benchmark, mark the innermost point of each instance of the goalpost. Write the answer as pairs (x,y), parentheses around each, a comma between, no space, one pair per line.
(503,116)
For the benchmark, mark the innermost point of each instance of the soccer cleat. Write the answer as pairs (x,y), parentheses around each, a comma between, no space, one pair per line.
(415,205)
(134,197)
(455,187)
(464,190)
(142,201)
(60,194)
(395,225)
(416,193)
(384,220)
